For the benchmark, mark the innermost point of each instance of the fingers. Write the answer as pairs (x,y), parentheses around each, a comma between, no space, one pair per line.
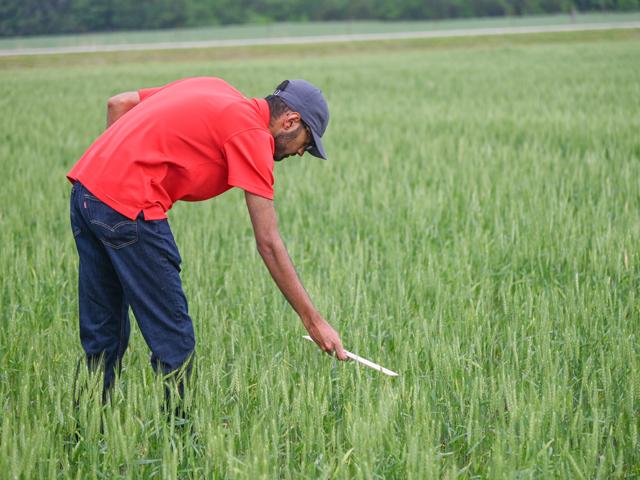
(327,348)
(329,342)
(341,354)
(337,349)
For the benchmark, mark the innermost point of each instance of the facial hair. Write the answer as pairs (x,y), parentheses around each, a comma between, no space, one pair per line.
(281,141)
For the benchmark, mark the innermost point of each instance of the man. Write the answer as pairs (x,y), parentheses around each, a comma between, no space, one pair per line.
(191,140)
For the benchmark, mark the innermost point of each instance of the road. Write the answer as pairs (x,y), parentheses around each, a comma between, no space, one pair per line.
(469,32)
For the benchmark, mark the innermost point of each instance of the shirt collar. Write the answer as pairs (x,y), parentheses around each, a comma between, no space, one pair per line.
(263,106)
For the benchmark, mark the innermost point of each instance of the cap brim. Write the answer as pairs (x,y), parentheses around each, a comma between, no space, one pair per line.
(317,150)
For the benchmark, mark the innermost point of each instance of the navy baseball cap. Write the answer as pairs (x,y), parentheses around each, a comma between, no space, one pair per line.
(306,99)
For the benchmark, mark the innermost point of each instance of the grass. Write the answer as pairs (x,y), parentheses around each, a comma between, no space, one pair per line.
(475,229)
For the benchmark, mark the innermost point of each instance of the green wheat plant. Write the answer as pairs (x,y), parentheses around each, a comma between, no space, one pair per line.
(476,229)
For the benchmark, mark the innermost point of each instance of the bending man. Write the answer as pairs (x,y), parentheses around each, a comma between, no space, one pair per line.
(191,140)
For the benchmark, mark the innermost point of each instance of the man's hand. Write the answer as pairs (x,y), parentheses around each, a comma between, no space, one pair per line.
(326,338)
(276,258)
(120,104)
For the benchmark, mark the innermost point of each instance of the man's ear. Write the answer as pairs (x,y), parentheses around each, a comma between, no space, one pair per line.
(291,119)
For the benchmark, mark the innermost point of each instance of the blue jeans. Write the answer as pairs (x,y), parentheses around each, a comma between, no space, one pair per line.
(125,263)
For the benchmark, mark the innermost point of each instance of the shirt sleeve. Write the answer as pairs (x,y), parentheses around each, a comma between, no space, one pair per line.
(249,156)
(147,92)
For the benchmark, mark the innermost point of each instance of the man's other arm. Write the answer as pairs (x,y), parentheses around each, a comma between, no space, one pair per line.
(275,256)
(120,104)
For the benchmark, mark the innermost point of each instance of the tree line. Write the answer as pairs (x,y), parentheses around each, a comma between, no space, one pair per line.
(40,17)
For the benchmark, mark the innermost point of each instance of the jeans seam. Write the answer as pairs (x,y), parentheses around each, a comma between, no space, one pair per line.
(168,268)
(75,230)
(118,247)
(123,327)
(115,227)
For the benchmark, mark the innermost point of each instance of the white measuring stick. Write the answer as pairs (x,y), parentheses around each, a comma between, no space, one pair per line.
(364,361)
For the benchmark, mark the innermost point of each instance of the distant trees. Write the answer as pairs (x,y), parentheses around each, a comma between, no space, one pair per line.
(33,17)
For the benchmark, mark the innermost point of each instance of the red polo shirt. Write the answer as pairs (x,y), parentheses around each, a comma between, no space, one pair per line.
(190,140)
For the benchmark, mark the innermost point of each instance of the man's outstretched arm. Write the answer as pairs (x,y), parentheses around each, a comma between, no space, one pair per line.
(120,104)
(275,256)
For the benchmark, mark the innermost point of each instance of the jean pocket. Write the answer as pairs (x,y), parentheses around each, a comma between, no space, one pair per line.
(112,228)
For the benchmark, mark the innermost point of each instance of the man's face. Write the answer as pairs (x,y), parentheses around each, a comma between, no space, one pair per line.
(293,138)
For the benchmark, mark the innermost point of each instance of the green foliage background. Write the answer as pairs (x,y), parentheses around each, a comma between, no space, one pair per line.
(476,229)
(32,17)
